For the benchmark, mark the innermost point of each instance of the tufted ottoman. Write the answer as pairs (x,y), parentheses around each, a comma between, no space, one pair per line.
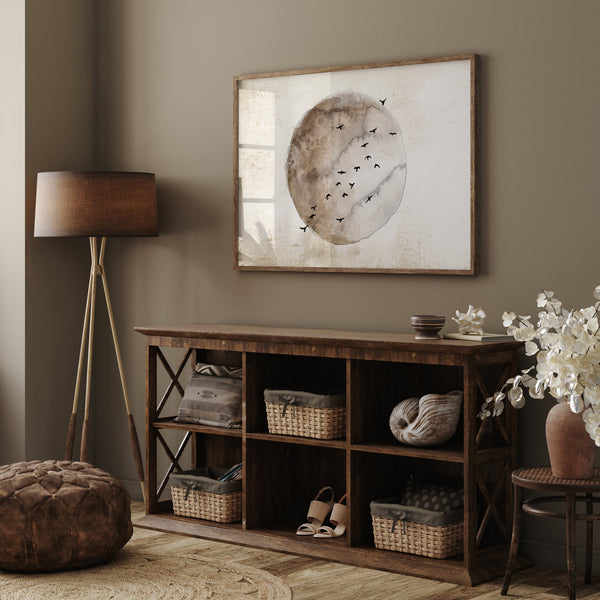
(57,515)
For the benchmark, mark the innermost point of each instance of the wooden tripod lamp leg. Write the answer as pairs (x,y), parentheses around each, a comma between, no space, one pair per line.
(135,445)
(73,420)
(85,433)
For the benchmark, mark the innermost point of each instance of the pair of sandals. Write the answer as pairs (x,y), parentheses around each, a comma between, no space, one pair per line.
(317,513)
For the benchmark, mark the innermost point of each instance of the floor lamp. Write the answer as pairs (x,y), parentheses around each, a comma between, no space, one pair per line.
(96,205)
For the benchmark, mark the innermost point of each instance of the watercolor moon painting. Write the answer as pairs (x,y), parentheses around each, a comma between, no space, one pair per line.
(363,168)
(346,167)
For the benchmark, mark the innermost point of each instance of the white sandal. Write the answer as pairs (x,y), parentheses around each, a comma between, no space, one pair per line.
(338,517)
(317,513)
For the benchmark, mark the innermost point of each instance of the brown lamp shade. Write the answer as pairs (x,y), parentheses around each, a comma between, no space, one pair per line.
(107,204)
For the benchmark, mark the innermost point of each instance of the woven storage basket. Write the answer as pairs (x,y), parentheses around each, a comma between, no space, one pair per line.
(305,414)
(401,533)
(198,494)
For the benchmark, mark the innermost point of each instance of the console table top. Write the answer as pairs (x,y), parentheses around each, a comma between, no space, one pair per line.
(322,337)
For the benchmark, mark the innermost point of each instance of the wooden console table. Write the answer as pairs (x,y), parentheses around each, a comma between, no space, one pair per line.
(282,473)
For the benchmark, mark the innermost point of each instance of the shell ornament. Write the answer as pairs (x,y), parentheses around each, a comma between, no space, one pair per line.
(427,421)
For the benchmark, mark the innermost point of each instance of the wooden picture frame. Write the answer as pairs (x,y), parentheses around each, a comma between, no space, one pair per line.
(363,168)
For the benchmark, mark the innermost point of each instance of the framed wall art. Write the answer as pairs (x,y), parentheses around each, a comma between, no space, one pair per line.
(365,168)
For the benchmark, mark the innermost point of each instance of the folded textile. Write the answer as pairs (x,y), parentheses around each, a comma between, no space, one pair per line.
(212,400)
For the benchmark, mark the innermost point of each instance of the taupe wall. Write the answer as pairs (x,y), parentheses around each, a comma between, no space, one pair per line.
(59,135)
(164,103)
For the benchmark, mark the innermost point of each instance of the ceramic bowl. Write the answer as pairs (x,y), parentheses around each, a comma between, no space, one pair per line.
(427,327)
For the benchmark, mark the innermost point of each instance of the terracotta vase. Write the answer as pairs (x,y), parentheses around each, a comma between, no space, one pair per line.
(572,451)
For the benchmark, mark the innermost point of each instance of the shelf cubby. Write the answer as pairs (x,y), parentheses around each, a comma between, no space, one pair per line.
(378,386)
(281,479)
(287,372)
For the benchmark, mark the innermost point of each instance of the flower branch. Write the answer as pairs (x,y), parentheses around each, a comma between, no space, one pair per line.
(566,345)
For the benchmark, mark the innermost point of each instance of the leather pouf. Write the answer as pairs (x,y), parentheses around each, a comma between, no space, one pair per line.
(57,515)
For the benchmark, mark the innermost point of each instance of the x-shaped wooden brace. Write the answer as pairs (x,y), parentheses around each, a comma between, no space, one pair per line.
(173,376)
(487,423)
(491,499)
(173,457)
(174,384)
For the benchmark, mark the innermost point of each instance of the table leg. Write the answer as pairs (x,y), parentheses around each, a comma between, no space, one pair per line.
(589,537)
(570,518)
(514,541)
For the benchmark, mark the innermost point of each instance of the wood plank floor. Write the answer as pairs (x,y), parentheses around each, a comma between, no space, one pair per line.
(312,579)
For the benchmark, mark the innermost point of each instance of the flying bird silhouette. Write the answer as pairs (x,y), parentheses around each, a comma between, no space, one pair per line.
(340,127)
(327,196)
(341,172)
(312,216)
(351,185)
(344,195)
(368,157)
(369,198)
(364,145)
(383,101)
(339,183)
(356,168)
(376,166)
(340,219)
(392,133)
(314,207)
(373,130)
(304,228)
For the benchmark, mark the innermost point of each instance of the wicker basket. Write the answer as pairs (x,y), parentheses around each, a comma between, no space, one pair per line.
(417,538)
(404,528)
(220,502)
(306,415)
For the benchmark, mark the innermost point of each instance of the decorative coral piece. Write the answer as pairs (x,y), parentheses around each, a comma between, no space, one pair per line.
(470,322)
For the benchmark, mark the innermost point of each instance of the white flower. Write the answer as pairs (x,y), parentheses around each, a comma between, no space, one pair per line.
(524,334)
(508,318)
(516,397)
(537,394)
(531,348)
(498,397)
(591,395)
(498,408)
(576,403)
(542,299)
(588,312)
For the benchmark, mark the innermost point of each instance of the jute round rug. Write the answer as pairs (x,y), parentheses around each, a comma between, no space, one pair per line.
(151,577)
